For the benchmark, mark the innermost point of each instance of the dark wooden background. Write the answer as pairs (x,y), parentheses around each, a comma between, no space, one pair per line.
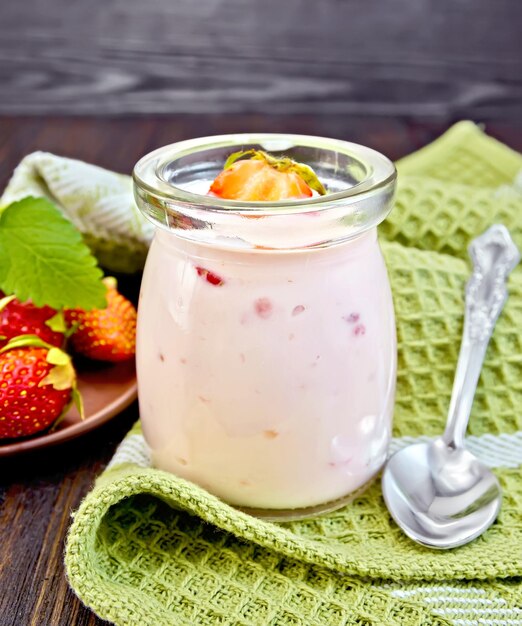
(108,80)
(445,59)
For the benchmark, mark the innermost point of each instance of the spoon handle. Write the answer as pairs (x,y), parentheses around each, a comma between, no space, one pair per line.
(494,256)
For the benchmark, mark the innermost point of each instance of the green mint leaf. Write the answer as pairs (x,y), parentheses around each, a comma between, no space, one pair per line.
(43,258)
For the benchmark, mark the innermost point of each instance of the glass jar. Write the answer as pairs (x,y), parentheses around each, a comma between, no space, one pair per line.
(266,348)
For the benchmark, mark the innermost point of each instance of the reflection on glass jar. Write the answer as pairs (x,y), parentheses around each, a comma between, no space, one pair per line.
(266,336)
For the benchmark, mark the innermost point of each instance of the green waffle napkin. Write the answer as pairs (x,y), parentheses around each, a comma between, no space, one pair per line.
(148,548)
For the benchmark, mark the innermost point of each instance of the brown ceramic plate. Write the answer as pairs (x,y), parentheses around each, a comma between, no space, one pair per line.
(107,389)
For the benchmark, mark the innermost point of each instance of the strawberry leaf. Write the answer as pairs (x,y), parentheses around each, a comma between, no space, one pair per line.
(57,323)
(5,301)
(25,341)
(309,176)
(235,156)
(55,356)
(282,164)
(43,258)
(62,375)
(78,401)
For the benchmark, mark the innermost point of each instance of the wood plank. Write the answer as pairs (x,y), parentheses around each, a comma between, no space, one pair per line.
(38,492)
(346,57)
(117,143)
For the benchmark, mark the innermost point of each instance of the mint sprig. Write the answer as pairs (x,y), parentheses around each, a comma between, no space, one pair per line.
(43,258)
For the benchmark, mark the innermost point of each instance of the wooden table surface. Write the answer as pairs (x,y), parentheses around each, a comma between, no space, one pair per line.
(38,491)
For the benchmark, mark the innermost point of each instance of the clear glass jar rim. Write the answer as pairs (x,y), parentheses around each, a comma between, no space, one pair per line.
(380,173)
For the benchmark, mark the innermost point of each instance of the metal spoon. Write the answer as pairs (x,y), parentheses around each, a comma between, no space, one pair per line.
(439,493)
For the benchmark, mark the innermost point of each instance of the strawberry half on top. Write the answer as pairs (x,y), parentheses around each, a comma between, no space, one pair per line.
(256,176)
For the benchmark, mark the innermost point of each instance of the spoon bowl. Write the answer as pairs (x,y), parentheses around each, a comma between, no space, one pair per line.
(439,493)
(442,497)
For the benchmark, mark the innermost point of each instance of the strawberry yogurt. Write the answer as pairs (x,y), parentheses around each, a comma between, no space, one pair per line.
(267,373)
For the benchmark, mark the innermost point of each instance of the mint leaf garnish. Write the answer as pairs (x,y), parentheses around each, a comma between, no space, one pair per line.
(43,258)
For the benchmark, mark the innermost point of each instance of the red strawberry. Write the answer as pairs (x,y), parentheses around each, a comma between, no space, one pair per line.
(37,382)
(210,277)
(105,334)
(262,177)
(24,318)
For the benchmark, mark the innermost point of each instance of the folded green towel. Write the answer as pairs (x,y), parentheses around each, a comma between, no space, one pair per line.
(148,548)
(98,202)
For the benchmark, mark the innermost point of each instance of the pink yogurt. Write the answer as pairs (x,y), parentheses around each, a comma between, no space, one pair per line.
(267,375)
